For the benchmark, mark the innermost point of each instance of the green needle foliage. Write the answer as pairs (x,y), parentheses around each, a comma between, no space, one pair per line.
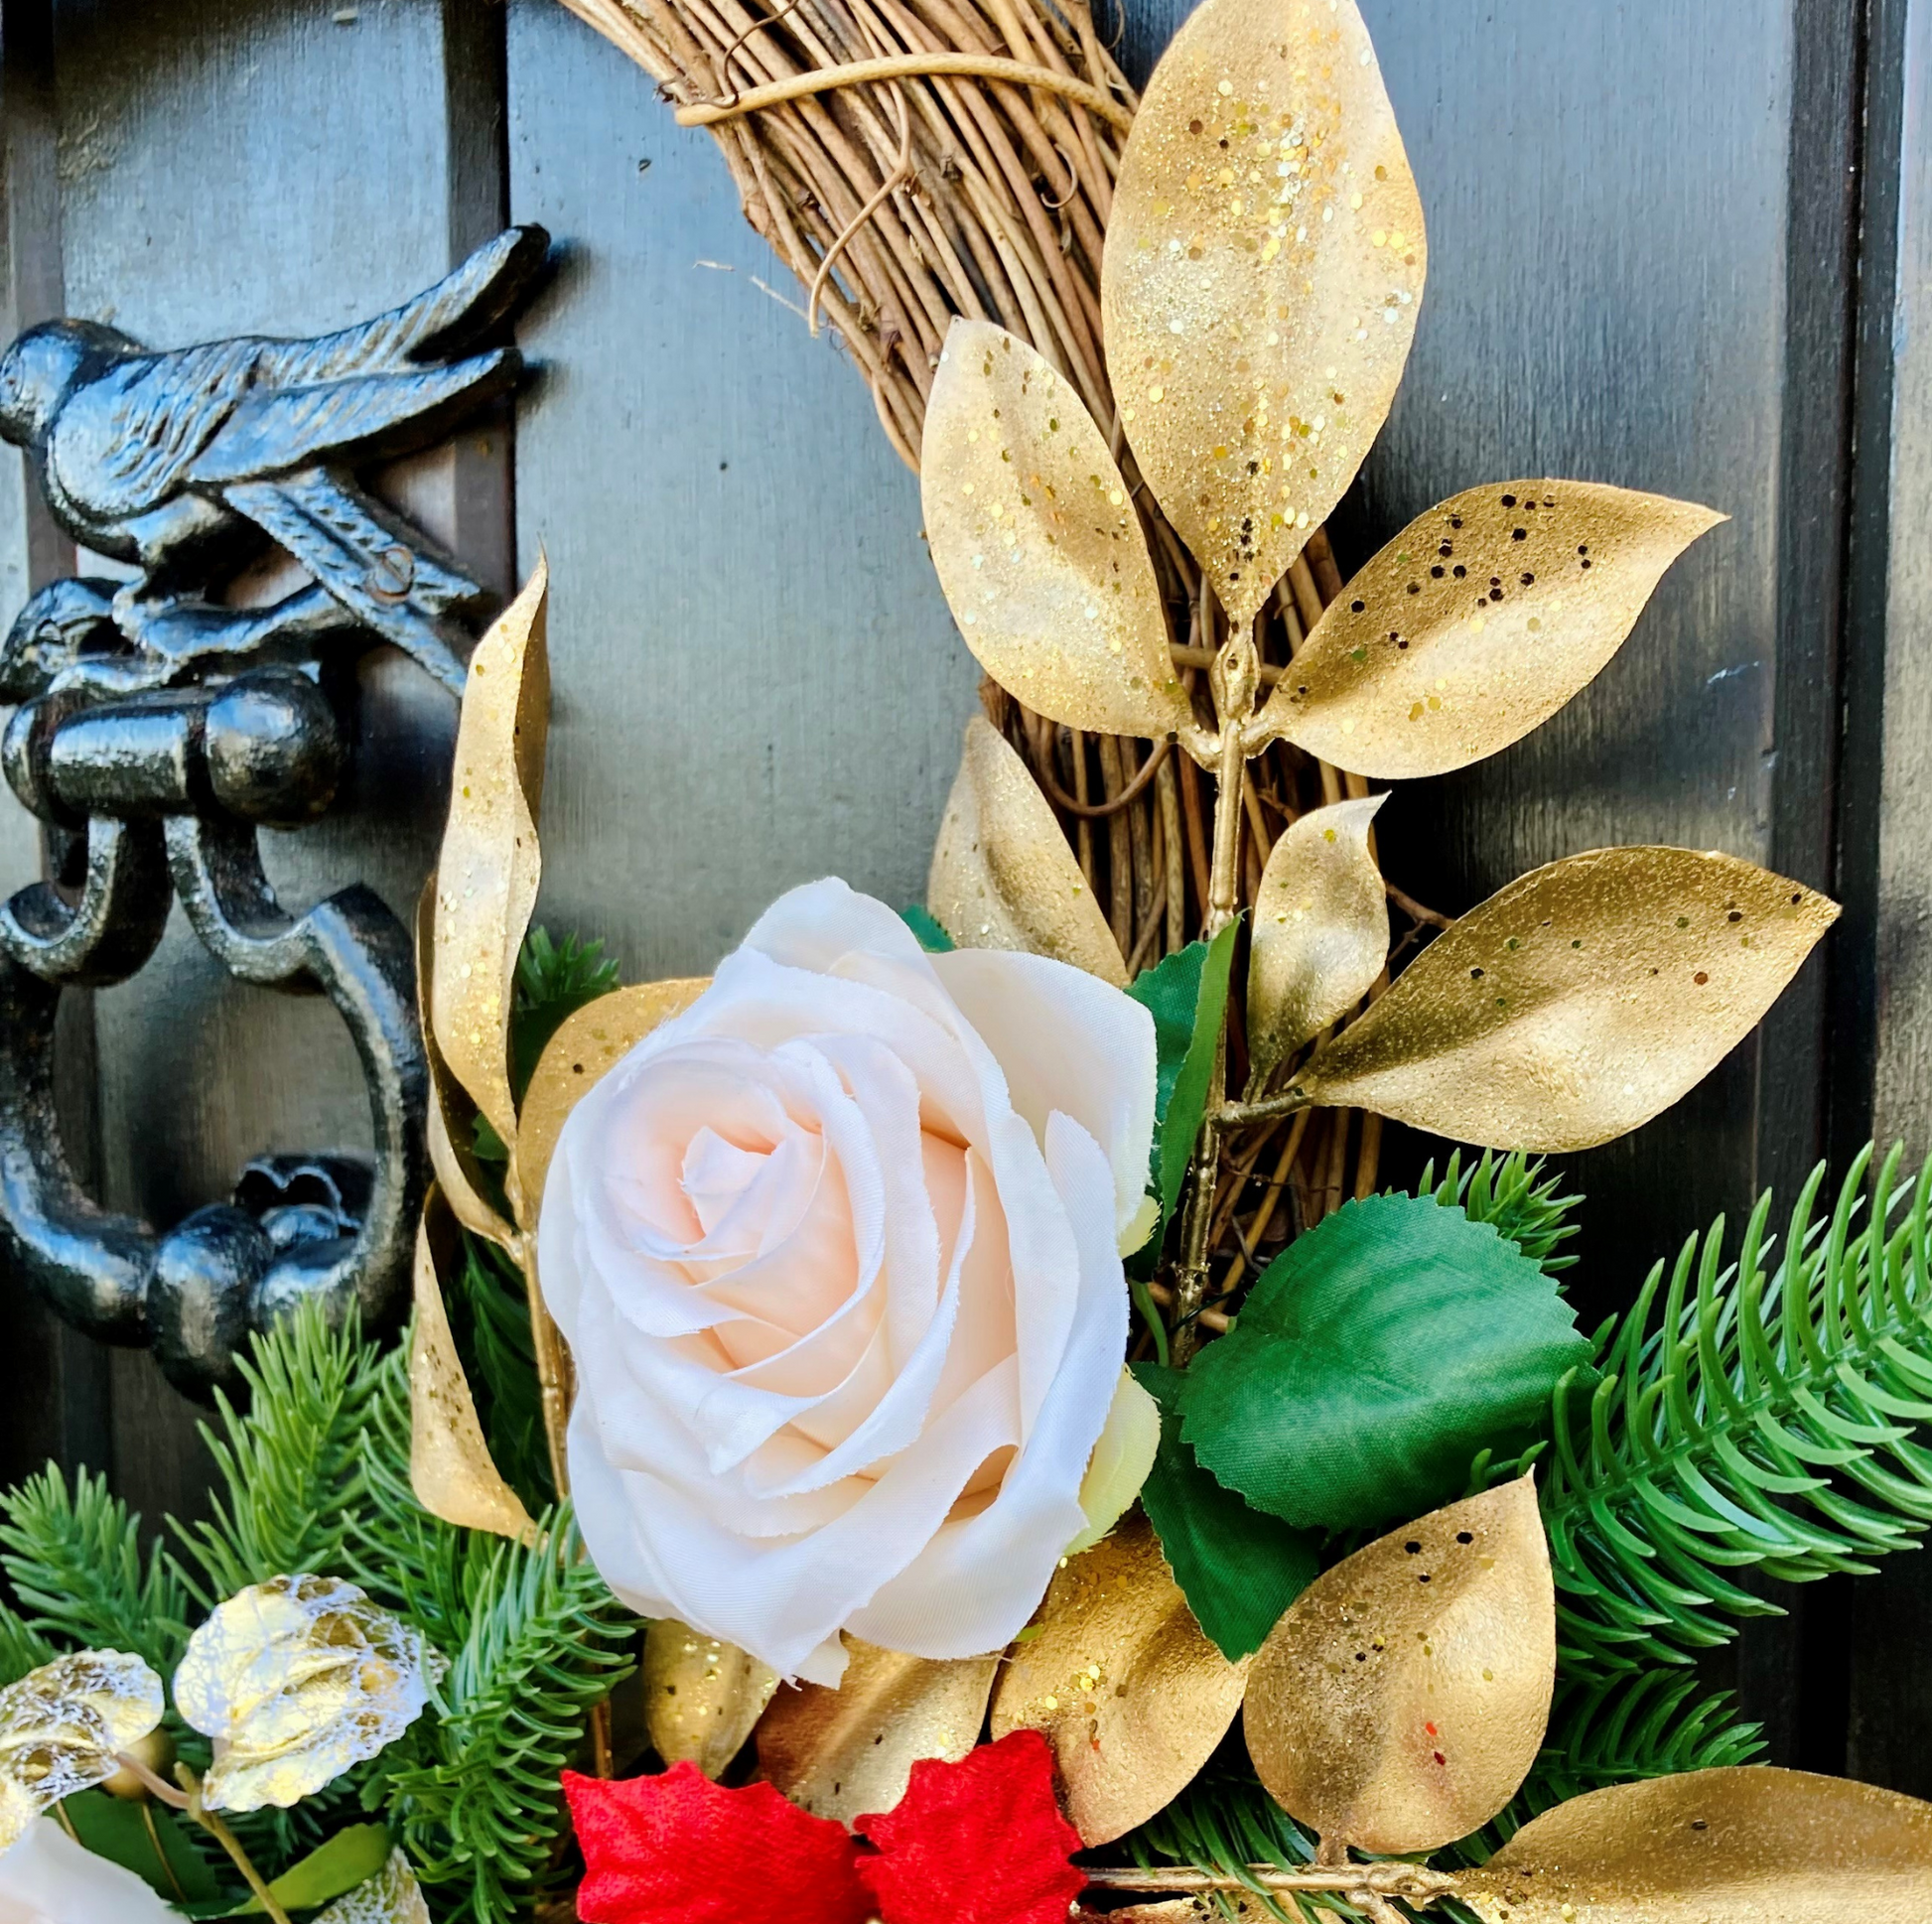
(553,981)
(490,1315)
(1749,1417)
(1511,1195)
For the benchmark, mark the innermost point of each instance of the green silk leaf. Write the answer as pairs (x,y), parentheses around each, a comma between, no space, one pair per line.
(1374,1357)
(1187,996)
(330,1870)
(1238,1568)
(162,1857)
(925,925)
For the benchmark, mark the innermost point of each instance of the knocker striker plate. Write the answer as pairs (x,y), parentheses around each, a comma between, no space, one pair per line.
(155,730)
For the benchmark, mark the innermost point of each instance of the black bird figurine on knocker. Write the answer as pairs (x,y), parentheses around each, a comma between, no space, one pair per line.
(156,728)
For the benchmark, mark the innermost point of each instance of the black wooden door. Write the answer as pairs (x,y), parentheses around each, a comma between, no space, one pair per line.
(1677,246)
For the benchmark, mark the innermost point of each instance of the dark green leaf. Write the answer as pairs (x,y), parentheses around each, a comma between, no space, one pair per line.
(1372,1360)
(932,938)
(490,1318)
(1238,1568)
(162,1857)
(1187,996)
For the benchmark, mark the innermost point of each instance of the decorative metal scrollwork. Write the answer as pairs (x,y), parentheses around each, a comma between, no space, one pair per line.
(156,730)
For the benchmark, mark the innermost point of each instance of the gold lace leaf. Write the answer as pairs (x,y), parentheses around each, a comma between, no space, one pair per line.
(391,1896)
(451,1469)
(1578,1002)
(1738,1846)
(61,1726)
(587,1045)
(1120,1461)
(1477,623)
(1263,264)
(1003,875)
(1117,1674)
(1321,930)
(296,1680)
(1402,1699)
(488,874)
(702,1697)
(1038,544)
(848,1752)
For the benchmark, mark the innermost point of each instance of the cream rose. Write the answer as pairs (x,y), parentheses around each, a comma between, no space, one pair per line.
(837,1254)
(47,1879)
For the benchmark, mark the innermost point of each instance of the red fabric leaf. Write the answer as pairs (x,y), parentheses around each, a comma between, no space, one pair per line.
(679,1850)
(981,1842)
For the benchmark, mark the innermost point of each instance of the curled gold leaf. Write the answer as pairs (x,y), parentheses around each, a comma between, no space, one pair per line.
(702,1697)
(1578,1002)
(1118,1676)
(1477,623)
(848,1752)
(1320,932)
(62,1728)
(1401,1700)
(1003,875)
(1263,264)
(488,874)
(450,1465)
(296,1680)
(1120,1461)
(1748,1844)
(1038,544)
(391,1896)
(586,1048)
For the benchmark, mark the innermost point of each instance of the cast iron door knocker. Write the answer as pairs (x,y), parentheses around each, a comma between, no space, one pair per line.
(156,730)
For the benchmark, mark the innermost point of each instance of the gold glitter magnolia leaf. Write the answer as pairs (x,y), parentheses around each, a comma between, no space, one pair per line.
(1264,262)
(1117,1674)
(589,1044)
(391,1896)
(487,877)
(1037,546)
(1120,1461)
(1321,930)
(1400,1700)
(295,1679)
(1003,875)
(450,1467)
(702,1697)
(848,1752)
(1578,1002)
(61,1725)
(1741,1845)
(1477,623)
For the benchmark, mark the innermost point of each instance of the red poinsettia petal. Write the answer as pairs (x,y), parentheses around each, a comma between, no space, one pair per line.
(981,1842)
(680,1850)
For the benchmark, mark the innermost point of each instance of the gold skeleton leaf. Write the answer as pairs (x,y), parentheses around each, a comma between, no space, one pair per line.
(1477,623)
(1578,1002)
(1117,1674)
(451,1469)
(702,1697)
(1321,930)
(1003,875)
(1039,547)
(296,1680)
(1739,1845)
(61,1726)
(848,1752)
(1400,1702)
(488,874)
(1264,266)
(391,1896)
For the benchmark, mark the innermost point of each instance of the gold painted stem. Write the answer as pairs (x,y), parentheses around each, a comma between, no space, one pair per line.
(1238,1115)
(229,1842)
(1410,1882)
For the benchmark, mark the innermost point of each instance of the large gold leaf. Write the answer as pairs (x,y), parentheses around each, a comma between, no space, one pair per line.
(61,1726)
(451,1469)
(702,1697)
(295,1679)
(1400,1700)
(848,1752)
(584,1048)
(1578,1002)
(487,877)
(1321,933)
(1037,546)
(1264,263)
(1742,1846)
(1003,875)
(1117,1674)
(1477,623)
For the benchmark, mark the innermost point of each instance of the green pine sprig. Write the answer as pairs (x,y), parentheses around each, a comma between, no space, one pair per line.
(1513,1195)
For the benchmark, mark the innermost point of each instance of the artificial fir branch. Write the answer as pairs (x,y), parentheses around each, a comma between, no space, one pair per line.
(1513,1195)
